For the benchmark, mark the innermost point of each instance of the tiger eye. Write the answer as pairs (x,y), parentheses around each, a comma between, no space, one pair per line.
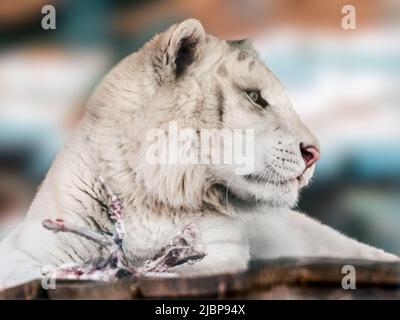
(255,96)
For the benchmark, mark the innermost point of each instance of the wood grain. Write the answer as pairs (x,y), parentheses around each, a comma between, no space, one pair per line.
(306,278)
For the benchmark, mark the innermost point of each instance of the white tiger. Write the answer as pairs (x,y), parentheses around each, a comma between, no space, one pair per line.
(199,81)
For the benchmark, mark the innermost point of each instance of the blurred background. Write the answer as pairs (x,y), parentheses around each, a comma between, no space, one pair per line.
(344,83)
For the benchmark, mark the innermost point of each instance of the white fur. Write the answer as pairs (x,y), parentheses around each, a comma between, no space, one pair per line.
(141,93)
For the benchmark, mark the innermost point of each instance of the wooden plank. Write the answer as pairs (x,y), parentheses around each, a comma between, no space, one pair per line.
(323,271)
(75,290)
(284,292)
(306,278)
(218,286)
(27,291)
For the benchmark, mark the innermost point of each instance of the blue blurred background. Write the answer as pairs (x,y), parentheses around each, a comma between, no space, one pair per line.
(344,83)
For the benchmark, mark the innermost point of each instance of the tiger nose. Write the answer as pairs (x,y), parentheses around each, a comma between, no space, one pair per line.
(310,154)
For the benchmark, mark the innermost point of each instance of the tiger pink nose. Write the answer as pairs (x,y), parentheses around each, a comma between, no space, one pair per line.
(310,154)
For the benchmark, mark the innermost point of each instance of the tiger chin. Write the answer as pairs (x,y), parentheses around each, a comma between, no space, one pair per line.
(198,81)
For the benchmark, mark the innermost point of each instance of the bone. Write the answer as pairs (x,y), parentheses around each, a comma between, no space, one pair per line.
(184,248)
(59,225)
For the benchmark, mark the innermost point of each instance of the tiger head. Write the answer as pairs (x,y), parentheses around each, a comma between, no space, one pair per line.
(198,81)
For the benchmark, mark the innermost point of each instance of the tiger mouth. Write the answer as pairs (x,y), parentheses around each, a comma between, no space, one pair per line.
(260,179)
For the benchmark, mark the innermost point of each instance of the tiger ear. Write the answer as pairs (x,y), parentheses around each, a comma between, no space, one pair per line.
(185,46)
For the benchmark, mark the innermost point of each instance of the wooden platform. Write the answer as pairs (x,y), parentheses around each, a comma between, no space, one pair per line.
(269,279)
